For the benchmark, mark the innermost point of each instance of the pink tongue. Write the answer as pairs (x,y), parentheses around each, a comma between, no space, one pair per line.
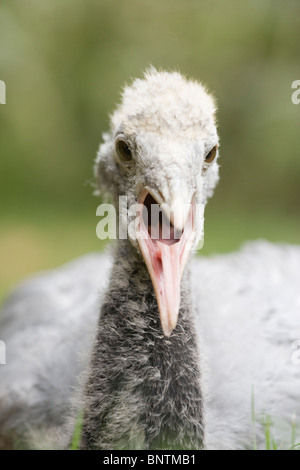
(169,278)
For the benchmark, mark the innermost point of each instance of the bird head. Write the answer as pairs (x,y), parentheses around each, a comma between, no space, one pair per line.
(161,153)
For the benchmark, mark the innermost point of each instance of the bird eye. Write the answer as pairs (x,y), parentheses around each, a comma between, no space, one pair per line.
(123,150)
(211,155)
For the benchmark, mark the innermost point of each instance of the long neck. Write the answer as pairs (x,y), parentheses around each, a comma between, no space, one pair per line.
(144,388)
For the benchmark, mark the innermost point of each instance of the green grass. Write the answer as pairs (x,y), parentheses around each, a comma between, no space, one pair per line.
(75,442)
(269,430)
(266,422)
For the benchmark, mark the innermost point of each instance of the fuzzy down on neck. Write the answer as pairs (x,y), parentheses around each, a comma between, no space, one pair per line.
(143,390)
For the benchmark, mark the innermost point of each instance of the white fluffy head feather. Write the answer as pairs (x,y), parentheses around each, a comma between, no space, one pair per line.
(169,125)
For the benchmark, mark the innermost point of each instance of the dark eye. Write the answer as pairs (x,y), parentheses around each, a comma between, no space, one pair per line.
(211,155)
(123,150)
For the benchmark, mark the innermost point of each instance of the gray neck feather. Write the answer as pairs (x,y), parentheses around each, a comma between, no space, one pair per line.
(143,390)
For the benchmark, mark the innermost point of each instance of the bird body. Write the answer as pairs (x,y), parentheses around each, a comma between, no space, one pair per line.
(245,345)
(185,353)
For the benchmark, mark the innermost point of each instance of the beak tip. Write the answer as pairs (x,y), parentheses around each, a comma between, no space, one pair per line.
(167,332)
(169,325)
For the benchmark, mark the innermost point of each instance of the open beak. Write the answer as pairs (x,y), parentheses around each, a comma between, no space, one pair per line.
(165,236)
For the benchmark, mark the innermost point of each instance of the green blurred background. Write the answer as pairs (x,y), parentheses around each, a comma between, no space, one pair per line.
(64,63)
